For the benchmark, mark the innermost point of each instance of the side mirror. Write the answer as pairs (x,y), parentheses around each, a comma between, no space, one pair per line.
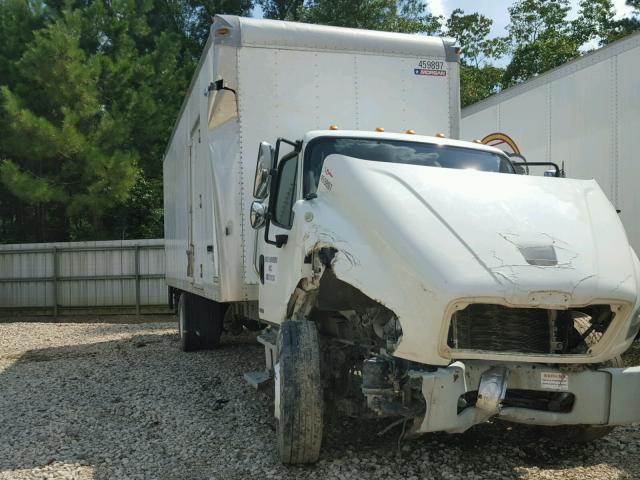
(257,215)
(263,172)
(520,170)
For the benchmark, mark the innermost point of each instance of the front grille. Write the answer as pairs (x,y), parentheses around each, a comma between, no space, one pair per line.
(497,328)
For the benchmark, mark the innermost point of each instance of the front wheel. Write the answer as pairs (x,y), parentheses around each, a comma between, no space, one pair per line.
(299,399)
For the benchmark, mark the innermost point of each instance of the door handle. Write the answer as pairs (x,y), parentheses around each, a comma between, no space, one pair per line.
(261,268)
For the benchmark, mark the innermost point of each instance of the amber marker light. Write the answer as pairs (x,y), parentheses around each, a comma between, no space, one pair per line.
(333,127)
(440,135)
(379,129)
(410,131)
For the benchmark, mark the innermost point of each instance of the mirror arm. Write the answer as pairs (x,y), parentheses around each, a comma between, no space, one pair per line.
(280,240)
(559,172)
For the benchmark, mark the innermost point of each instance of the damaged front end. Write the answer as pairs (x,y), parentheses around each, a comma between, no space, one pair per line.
(429,311)
(360,373)
(466,393)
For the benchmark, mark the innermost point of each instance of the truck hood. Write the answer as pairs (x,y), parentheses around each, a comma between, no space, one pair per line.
(467,234)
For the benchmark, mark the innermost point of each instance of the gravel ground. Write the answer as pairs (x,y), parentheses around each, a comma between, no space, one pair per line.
(120,401)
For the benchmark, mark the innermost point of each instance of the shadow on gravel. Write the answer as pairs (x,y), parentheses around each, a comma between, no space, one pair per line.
(132,408)
(124,319)
(139,408)
(492,450)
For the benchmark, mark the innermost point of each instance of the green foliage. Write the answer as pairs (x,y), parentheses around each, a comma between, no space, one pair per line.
(472,33)
(540,38)
(478,83)
(478,78)
(408,16)
(90,89)
(624,26)
(595,21)
(60,144)
(89,92)
(19,20)
(282,9)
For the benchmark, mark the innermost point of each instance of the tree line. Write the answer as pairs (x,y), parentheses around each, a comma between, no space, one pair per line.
(90,90)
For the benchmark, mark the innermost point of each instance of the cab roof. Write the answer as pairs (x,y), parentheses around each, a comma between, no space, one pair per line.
(404,137)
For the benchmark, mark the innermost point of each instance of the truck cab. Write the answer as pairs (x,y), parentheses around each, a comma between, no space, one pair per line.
(442,287)
(301,174)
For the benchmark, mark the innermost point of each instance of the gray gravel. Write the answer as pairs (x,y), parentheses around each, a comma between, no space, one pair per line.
(120,401)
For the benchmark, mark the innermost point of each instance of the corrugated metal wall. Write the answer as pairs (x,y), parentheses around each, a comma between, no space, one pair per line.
(55,276)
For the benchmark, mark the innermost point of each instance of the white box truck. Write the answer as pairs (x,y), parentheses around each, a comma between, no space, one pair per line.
(406,275)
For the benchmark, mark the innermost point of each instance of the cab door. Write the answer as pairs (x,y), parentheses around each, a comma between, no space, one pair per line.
(277,260)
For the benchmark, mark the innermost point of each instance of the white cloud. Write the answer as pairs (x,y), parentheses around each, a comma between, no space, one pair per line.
(436,7)
(622,9)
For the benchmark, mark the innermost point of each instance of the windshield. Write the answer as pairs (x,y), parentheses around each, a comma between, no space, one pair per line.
(397,151)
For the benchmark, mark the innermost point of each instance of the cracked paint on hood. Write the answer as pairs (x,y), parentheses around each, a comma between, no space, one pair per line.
(419,238)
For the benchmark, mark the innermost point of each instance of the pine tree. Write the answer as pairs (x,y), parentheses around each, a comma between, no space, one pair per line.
(64,157)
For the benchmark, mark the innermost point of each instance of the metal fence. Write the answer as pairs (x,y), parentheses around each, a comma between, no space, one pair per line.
(57,277)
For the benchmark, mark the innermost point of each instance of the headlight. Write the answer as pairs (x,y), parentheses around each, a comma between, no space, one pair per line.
(634,326)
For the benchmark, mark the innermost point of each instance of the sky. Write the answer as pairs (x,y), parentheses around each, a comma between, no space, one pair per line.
(497,10)
(494,9)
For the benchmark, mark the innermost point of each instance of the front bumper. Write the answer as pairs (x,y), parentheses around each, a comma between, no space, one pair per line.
(607,396)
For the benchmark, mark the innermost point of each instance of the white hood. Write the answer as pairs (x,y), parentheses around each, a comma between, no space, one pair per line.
(443,235)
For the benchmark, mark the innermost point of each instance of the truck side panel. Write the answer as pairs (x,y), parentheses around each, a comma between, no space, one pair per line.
(190,216)
(302,90)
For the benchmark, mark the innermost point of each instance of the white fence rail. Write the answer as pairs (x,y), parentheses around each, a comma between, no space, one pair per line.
(58,276)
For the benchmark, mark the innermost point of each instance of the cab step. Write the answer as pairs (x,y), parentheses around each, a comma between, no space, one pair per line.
(258,380)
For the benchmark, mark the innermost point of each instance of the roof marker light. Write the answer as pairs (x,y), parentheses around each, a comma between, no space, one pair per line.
(440,135)
(477,140)
(333,127)
(379,129)
(410,131)
(223,31)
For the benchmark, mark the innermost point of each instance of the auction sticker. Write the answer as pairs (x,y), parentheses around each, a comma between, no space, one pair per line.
(270,268)
(554,381)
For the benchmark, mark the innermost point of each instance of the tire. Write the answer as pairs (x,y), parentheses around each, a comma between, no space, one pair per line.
(188,339)
(211,323)
(300,405)
(199,322)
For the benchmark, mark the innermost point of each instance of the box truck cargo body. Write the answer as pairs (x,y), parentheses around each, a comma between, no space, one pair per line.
(585,114)
(281,80)
(315,190)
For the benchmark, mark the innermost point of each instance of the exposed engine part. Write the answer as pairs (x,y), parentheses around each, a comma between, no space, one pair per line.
(375,376)
(492,390)
(559,402)
(498,328)
(377,384)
